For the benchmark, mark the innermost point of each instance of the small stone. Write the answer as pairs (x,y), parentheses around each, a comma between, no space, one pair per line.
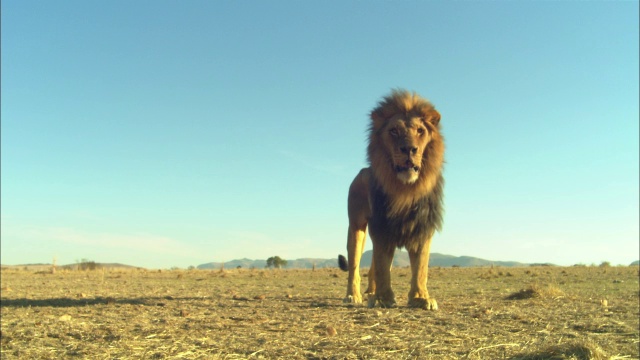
(331,331)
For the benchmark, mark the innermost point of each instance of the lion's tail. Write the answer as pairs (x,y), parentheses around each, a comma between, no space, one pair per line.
(343,263)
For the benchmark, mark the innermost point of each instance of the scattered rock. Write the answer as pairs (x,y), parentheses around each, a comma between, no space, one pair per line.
(331,331)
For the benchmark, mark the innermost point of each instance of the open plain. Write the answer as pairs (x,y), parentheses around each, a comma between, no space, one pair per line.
(581,312)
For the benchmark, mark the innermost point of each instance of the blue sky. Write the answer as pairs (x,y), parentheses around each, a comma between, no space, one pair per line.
(168,133)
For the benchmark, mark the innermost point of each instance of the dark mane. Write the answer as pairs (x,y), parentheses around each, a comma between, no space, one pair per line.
(414,224)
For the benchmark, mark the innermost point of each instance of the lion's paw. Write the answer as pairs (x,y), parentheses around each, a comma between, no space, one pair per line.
(384,303)
(422,303)
(350,299)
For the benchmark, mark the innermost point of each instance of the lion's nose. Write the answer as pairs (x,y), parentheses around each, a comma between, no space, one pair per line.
(409,150)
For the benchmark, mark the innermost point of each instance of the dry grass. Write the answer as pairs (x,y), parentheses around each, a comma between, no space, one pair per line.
(584,350)
(537,291)
(299,314)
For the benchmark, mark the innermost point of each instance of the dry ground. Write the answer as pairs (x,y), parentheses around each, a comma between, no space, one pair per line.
(485,313)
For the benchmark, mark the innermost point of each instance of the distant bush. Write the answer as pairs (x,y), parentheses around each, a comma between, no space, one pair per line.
(276,262)
(605,264)
(85,265)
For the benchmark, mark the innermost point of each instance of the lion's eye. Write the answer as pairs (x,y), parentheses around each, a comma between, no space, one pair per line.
(421,131)
(393,132)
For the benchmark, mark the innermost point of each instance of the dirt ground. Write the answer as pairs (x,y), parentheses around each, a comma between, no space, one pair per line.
(485,313)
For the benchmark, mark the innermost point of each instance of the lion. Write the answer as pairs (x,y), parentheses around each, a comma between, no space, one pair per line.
(399,197)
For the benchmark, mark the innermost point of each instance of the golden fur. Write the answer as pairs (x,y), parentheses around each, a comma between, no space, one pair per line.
(399,197)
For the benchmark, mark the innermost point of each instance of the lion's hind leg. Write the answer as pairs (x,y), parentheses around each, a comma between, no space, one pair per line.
(359,211)
(371,277)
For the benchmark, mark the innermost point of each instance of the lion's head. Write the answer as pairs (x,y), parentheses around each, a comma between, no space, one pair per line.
(405,145)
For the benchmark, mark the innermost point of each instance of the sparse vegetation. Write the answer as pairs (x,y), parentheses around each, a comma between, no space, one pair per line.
(86,264)
(561,313)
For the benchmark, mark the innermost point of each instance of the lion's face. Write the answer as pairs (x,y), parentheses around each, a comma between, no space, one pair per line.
(406,139)
(406,149)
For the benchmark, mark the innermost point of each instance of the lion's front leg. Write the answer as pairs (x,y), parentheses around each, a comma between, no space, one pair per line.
(382,258)
(418,294)
(355,246)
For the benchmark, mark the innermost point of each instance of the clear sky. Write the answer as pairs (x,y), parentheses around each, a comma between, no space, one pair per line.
(173,133)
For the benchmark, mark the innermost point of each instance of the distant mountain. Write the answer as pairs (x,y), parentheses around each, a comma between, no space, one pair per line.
(99,266)
(401,259)
(468,261)
(41,266)
(304,263)
(243,263)
(635,263)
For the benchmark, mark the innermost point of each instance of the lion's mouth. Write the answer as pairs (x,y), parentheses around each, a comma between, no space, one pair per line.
(408,173)
(413,168)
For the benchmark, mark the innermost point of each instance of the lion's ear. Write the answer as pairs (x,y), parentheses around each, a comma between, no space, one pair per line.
(378,119)
(433,117)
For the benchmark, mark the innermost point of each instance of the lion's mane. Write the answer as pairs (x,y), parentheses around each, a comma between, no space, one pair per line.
(407,213)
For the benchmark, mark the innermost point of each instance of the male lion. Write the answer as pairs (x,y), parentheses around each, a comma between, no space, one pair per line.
(399,196)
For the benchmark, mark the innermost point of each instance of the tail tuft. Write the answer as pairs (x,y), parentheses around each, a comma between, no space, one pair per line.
(343,263)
